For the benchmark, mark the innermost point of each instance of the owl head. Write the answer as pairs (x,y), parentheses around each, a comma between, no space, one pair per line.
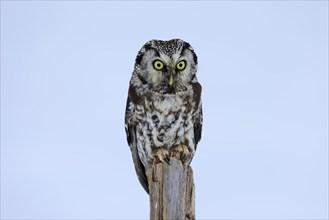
(166,66)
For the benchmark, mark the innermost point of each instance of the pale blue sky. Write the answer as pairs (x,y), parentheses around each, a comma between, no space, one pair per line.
(65,69)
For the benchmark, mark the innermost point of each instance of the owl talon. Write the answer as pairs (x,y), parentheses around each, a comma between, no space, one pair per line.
(182,151)
(167,160)
(183,157)
(161,155)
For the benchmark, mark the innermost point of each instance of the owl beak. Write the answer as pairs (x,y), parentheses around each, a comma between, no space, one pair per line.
(171,80)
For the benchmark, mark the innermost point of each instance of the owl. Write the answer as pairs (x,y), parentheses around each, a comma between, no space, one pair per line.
(163,113)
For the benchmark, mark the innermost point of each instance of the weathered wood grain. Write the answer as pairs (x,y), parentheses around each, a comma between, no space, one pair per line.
(171,191)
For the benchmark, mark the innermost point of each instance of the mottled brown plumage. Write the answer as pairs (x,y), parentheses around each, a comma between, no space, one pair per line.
(163,112)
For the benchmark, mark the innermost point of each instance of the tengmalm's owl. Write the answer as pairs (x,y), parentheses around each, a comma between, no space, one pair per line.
(163,113)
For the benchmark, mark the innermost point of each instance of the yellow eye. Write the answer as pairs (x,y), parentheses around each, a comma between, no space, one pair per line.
(181,65)
(158,65)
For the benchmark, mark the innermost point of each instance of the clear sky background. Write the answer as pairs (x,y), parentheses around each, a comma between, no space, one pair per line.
(65,69)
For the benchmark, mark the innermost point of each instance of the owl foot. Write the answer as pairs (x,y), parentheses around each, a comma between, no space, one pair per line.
(161,155)
(181,151)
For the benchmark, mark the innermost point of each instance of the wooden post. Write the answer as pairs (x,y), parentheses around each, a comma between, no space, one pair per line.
(171,191)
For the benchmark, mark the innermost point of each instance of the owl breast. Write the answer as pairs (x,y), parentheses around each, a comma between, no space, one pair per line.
(164,121)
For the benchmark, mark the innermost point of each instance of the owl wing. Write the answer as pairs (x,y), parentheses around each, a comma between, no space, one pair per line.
(198,113)
(130,126)
(198,126)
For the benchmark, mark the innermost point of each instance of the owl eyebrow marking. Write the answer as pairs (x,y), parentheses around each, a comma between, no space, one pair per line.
(142,53)
(149,47)
(156,52)
(188,46)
